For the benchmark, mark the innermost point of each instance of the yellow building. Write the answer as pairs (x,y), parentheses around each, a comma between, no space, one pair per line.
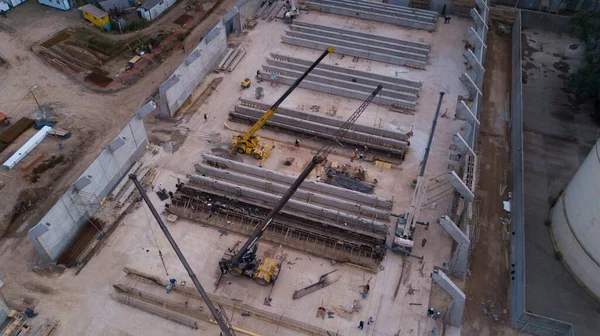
(96,16)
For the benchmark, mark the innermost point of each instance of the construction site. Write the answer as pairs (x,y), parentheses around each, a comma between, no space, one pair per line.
(319,167)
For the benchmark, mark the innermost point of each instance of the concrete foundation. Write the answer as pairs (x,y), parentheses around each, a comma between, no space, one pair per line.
(340,220)
(280,189)
(399,15)
(323,188)
(311,129)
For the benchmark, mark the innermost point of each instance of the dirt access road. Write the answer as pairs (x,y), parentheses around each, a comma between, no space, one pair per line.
(93,118)
(487,286)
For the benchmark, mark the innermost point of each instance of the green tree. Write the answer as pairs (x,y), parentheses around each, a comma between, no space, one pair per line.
(586,81)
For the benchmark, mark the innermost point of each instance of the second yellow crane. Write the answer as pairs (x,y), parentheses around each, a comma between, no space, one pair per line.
(249,142)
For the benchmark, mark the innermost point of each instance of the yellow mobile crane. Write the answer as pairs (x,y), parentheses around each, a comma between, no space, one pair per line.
(265,271)
(249,142)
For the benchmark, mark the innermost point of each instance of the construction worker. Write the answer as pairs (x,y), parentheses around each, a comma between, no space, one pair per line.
(430,312)
(297,143)
(423,242)
(361,325)
(205,117)
(370,320)
(361,157)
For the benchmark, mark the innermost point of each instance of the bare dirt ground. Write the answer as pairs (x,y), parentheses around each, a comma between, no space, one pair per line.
(487,286)
(93,118)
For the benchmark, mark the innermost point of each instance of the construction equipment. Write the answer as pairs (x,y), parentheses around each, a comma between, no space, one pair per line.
(246,83)
(245,262)
(249,142)
(219,316)
(291,11)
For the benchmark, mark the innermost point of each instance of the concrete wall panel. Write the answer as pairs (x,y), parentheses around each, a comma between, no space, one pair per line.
(61,224)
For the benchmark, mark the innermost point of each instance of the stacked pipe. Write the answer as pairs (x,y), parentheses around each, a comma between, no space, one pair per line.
(362,45)
(381,12)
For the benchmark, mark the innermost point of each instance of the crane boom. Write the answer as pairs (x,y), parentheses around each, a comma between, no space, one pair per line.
(249,246)
(223,325)
(242,142)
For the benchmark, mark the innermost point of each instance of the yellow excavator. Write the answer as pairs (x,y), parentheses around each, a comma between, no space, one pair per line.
(249,142)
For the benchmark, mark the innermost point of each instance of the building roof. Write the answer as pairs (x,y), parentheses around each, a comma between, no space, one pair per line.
(93,10)
(150,3)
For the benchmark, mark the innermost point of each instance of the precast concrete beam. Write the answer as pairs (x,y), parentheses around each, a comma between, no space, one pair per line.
(477,18)
(462,145)
(460,259)
(386,81)
(343,40)
(329,78)
(279,189)
(460,186)
(482,5)
(351,51)
(371,200)
(315,129)
(348,36)
(381,7)
(328,121)
(470,86)
(475,38)
(341,220)
(455,311)
(419,45)
(465,112)
(339,91)
(453,230)
(473,62)
(355,79)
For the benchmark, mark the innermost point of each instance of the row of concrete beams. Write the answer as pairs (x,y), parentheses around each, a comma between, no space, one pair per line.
(300,194)
(332,78)
(405,48)
(333,87)
(347,41)
(387,96)
(322,188)
(364,77)
(338,219)
(359,51)
(402,16)
(393,90)
(330,121)
(316,129)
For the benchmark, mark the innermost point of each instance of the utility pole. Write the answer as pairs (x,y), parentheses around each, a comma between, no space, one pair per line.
(437,112)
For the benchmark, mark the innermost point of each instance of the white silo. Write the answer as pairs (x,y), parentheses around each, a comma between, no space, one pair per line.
(576,223)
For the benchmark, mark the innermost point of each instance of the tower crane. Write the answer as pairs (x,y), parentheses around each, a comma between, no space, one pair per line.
(249,142)
(264,271)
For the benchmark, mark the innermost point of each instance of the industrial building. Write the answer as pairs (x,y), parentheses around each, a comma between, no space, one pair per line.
(327,168)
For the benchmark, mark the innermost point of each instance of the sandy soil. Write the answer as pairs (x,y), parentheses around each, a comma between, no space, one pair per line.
(488,284)
(93,118)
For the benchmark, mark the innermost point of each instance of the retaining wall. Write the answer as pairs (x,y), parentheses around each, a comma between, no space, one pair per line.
(57,229)
(521,319)
(202,60)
